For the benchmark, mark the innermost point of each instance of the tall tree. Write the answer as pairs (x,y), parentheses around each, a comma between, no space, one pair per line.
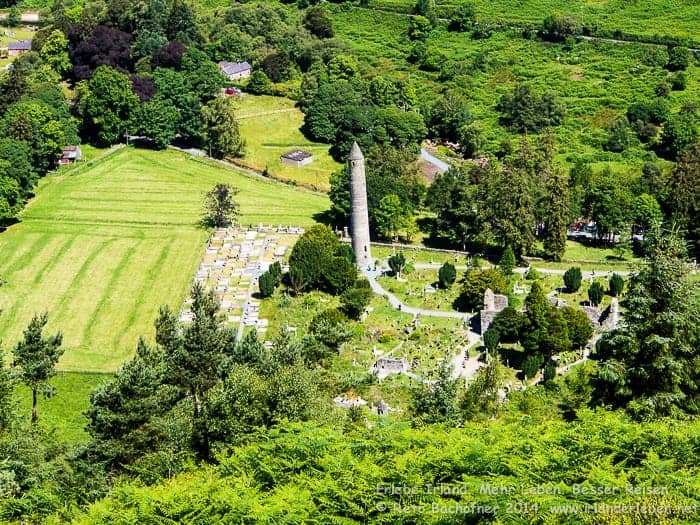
(221,133)
(683,200)
(220,208)
(109,106)
(556,213)
(35,357)
(651,364)
(197,354)
(390,217)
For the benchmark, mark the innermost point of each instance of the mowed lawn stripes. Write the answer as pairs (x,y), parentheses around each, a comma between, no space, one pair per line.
(103,249)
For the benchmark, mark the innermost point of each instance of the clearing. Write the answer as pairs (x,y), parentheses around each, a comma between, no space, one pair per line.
(101,247)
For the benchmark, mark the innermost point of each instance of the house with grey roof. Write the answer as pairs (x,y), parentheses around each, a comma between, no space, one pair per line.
(19,48)
(235,70)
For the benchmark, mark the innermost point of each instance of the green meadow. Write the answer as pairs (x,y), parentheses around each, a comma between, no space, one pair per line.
(270,127)
(101,247)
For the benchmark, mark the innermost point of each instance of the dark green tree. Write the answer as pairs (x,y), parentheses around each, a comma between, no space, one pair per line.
(491,339)
(126,416)
(35,358)
(221,133)
(650,363)
(317,21)
(474,286)
(507,261)
(579,326)
(353,301)
(531,365)
(447,275)
(331,328)
(616,285)
(436,401)
(259,84)
(397,263)
(159,121)
(109,106)
(266,284)
(196,355)
(573,279)
(509,324)
(595,293)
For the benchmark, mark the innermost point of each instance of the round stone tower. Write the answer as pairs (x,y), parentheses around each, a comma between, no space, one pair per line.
(359,220)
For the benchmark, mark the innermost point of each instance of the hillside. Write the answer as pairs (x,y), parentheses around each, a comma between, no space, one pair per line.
(102,247)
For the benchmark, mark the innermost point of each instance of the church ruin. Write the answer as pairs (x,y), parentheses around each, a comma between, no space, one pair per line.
(493,304)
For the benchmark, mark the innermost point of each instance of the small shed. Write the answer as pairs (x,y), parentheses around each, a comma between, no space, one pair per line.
(235,70)
(19,48)
(70,155)
(297,158)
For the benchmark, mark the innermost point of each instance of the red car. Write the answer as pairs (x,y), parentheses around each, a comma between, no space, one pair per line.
(232,91)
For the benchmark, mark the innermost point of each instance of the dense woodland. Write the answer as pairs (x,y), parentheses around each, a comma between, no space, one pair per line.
(200,428)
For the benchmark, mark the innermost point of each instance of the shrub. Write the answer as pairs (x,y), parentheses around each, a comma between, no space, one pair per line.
(595,293)
(447,274)
(475,284)
(266,284)
(616,285)
(533,275)
(531,365)
(353,301)
(508,323)
(572,279)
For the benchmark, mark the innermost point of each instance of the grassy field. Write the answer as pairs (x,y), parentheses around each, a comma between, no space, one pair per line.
(62,414)
(680,18)
(103,246)
(270,127)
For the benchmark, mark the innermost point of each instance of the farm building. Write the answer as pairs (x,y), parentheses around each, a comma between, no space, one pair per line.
(70,154)
(235,70)
(19,48)
(297,158)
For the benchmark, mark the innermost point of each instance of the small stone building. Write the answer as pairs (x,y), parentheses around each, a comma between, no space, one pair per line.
(390,365)
(297,158)
(493,303)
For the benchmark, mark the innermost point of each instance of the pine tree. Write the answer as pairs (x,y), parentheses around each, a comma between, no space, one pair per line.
(35,357)
(573,279)
(595,293)
(556,213)
(507,262)
(447,275)
(651,364)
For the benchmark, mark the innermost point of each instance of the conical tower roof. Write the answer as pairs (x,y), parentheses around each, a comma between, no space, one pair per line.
(355,152)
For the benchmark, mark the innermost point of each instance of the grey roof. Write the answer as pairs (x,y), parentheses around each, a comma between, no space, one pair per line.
(232,68)
(355,152)
(297,155)
(71,152)
(22,45)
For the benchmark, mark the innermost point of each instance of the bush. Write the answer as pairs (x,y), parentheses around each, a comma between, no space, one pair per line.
(533,275)
(616,285)
(353,301)
(679,81)
(572,279)
(579,326)
(266,284)
(531,365)
(475,284)
(678,58)
(595,293)
(331,328)
(447,274)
